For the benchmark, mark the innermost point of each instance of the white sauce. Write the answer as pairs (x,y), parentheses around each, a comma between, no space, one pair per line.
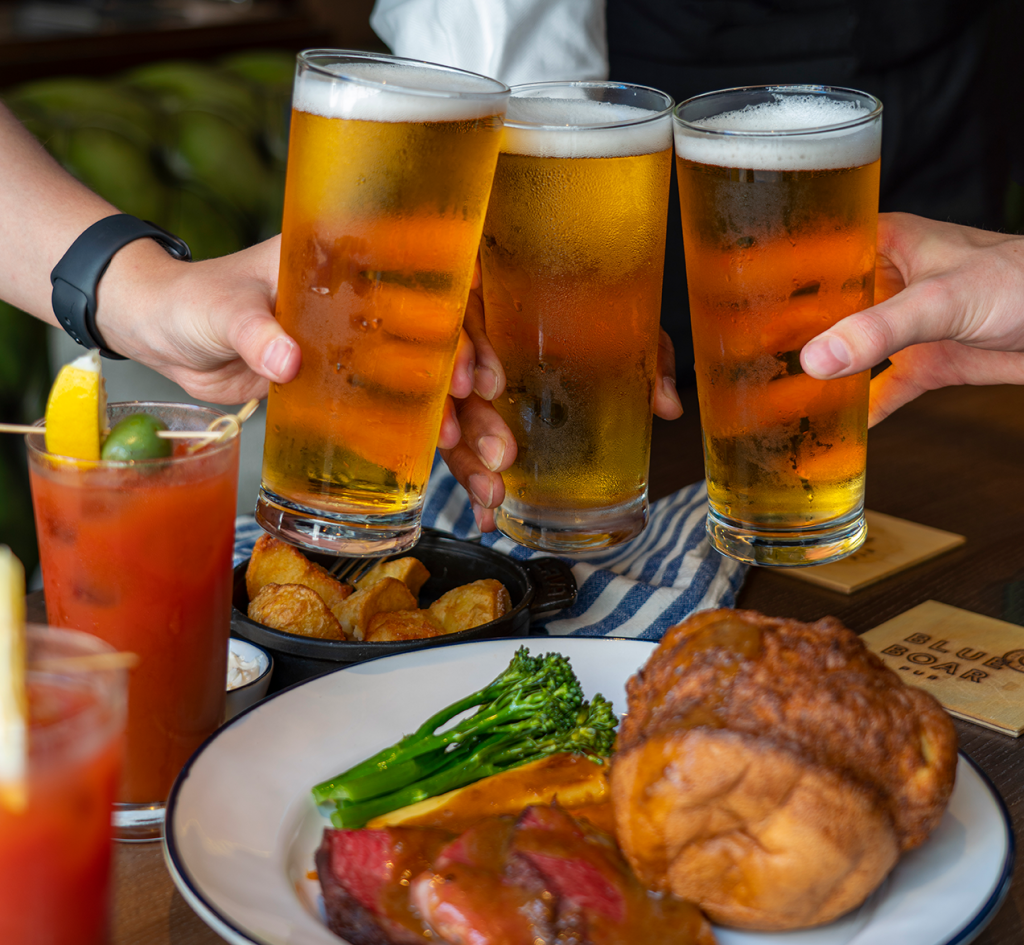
(241,671)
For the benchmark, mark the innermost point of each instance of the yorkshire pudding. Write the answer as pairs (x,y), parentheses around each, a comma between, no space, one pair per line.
(773,771)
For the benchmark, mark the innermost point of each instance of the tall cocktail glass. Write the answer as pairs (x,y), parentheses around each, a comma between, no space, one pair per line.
(778,188)
(389,168)
(139,554)
(573,252)
(55,851)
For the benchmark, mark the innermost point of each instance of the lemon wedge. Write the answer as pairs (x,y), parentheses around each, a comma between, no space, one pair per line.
(13,695)
(76,410)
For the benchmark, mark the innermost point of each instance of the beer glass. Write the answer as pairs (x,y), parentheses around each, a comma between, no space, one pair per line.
(572,255)
(389,168)
(778,189)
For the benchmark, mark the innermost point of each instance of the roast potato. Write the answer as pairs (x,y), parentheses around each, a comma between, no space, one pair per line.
(276,562)
(471,605)
(387,594)
(295,608)
(382,607)
(411,572)
(395,625)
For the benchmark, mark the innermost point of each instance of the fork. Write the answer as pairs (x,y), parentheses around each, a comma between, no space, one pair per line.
(351,570)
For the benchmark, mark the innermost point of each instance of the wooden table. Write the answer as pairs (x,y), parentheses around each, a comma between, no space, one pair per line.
(953,459)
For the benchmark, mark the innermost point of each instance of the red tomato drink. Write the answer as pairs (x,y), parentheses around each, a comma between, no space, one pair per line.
(139,554)
(55,851)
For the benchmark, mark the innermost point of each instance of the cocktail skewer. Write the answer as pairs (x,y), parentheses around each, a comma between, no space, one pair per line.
(224,428)
(217,430)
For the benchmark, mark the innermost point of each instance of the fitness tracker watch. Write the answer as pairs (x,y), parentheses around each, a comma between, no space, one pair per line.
(76,276)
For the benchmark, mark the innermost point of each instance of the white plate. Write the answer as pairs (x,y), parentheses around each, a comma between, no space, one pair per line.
(242,827)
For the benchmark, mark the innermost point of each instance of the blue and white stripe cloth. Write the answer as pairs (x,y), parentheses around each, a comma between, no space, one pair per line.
(638,589)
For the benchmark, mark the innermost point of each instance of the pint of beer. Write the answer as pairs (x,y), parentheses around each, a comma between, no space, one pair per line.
(572,255)
(389,168)
(778,189)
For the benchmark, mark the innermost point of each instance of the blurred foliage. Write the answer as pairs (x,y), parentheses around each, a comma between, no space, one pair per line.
(24,384)
(197,148)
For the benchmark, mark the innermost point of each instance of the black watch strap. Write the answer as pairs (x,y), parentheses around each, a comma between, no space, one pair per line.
(78,273)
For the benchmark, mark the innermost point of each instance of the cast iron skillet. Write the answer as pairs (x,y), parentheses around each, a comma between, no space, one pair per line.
(537,587)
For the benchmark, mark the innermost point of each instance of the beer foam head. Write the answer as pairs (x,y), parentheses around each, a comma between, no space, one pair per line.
(792,133)
(578,127)
(395,91)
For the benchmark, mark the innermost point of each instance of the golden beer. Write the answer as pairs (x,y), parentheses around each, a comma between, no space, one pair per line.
(385,196)
(572,254)
(780,245)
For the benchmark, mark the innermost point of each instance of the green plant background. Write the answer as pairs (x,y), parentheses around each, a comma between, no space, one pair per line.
(198,148)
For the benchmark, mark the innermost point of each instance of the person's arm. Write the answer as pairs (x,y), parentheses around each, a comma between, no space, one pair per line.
(207,325)
(953,313)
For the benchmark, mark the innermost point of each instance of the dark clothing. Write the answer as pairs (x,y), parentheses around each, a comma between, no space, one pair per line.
(942,153)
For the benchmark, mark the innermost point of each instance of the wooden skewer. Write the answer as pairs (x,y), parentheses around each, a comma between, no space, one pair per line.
(188,434)
(219,429)
(229,425)
(95,662)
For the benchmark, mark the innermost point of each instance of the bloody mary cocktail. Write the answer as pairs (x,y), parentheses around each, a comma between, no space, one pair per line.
(139,554)
(55,851)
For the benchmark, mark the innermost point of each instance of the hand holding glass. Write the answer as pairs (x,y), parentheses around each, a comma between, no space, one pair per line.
(389,168)
(778,189)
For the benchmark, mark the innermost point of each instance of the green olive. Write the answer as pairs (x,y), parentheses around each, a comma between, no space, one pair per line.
(134,437)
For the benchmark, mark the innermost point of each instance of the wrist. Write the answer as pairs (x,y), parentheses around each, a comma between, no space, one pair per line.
(90,261)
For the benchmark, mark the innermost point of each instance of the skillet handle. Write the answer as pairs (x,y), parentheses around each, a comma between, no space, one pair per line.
(554,587)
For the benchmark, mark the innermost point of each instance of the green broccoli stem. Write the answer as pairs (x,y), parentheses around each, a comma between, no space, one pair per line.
(522,670)
(466,766)
(533,709)
(385,776)
(381,781)
(592,736)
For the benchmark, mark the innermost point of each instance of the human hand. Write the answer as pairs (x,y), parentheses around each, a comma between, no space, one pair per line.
(475,442)
(949,310)
(209,325)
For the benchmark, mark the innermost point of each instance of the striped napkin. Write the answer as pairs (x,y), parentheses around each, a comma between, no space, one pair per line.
(638,589)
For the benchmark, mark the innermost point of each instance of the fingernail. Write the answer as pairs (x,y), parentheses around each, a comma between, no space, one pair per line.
(480,487)
(491,449)
(276,357)
(825,356)
(486,383)
(478,515)
(668,388)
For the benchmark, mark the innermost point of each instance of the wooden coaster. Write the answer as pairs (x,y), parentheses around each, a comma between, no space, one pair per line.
(973,665)
(893,544)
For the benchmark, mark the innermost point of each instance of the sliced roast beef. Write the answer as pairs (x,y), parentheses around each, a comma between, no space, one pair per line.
(365,874)
(600,901)
(475,895)
(540,880)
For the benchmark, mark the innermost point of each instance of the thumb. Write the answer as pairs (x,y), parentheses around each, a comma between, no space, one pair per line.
(860,341)
(265,346)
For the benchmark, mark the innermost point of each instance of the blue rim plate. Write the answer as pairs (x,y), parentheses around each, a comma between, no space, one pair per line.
(241,825)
